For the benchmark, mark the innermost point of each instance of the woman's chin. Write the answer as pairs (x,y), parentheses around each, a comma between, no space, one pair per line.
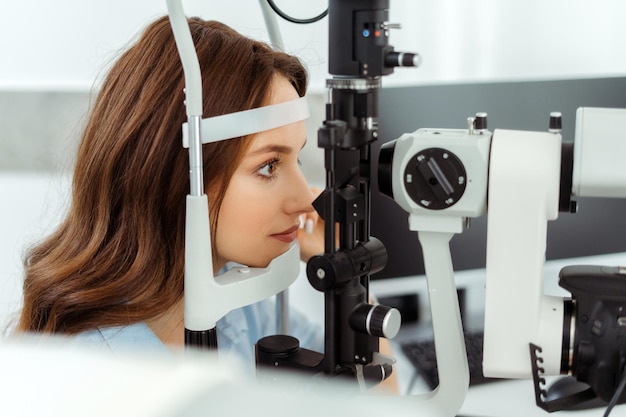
(258,263)
(262,260)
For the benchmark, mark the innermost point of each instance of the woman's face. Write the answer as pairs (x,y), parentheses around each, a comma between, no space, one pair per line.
(267,193)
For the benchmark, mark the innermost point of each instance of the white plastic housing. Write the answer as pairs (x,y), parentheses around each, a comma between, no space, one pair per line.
(524,177)
(448,397)
(599,150)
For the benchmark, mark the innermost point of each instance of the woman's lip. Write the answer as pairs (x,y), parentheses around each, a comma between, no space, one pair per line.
(288,235)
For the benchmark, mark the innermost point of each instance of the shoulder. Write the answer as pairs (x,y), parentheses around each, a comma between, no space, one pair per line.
(118,338)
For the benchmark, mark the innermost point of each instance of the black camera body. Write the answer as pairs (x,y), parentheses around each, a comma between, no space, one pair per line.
(598,348)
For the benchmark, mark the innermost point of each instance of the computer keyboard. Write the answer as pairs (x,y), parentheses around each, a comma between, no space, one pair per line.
(421,353)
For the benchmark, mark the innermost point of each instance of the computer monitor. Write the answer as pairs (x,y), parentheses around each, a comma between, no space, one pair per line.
(596,228)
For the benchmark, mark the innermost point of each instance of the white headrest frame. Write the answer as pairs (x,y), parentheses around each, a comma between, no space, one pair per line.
(247,122)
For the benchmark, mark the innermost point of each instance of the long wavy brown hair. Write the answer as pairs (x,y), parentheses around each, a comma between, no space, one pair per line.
(117,257)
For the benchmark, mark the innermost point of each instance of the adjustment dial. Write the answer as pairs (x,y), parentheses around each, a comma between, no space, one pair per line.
(435,178)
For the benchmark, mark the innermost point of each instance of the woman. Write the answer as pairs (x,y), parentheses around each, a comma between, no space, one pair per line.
(112,273)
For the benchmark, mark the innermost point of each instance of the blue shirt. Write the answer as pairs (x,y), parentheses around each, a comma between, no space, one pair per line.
(237,333)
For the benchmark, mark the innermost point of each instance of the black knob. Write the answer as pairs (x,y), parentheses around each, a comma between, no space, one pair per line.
(556,124)
(402,59)
(279,344)
(376,320)
(480,122)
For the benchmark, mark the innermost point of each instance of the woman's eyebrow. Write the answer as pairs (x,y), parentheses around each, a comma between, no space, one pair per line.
(272,148)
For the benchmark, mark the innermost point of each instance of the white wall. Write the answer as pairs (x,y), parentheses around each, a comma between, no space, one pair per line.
(65,44)
(32,204)
(482,40)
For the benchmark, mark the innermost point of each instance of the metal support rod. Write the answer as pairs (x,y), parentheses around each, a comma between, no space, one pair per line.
(196,176)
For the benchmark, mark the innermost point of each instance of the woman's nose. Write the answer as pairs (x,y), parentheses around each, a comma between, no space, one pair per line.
(301,197)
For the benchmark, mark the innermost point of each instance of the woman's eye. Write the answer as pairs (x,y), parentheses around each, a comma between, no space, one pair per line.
(269,169)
